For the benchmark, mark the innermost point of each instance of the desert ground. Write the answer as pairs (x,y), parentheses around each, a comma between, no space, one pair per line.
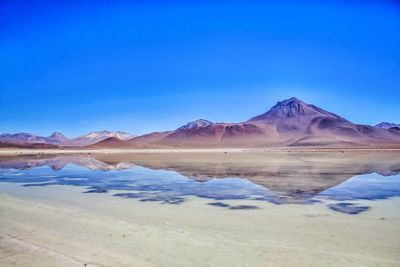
(58,225)
(62,227)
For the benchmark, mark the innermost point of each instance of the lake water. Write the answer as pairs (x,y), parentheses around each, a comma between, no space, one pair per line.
(325,184)
(171,182)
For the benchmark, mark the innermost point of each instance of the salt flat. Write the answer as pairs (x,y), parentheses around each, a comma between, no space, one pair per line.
(63,227)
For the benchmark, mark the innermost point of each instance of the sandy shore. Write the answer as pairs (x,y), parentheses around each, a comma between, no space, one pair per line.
(60,226)
(8,151)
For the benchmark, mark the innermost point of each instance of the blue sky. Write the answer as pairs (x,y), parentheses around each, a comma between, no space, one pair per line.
(80,66)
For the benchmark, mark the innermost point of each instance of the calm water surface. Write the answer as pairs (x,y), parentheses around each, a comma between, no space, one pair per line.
(337,181)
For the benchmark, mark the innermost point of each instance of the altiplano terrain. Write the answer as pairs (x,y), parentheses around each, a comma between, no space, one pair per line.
(290,123)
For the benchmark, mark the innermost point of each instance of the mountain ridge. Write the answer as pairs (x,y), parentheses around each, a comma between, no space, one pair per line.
(59,139)
(387,125)
(290,122)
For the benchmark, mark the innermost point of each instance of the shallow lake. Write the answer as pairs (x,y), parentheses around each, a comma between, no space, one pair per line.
(280,179)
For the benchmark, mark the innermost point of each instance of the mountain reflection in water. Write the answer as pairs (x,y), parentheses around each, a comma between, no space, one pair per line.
(280,178)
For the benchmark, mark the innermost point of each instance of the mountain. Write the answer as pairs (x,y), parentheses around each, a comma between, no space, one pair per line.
(148,140)
(387,125)
(22,138)
(299,123)
(111,142)
(290,122)
(58,139)
(293,108)
(95,137)
(55,138)
(215,134)
(196,124)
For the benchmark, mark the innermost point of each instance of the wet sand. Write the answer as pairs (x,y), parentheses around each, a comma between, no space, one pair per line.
(60,226)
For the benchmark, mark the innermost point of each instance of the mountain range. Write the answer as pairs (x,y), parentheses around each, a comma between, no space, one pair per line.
(290,122)
(58,139)
(387,125)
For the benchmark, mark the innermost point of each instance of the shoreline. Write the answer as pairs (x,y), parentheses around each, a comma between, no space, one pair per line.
(7,151)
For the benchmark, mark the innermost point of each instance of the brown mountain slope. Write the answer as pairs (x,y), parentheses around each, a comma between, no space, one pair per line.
(147,140)
(221,135)
(27,145)
(111,142)
(290,122)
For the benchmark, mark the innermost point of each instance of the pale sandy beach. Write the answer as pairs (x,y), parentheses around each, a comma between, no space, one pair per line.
(59,226)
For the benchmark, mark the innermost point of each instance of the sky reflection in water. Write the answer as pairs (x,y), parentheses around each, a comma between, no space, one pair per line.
(171,187)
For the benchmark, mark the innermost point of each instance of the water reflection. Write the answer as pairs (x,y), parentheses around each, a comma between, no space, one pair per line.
(278,178)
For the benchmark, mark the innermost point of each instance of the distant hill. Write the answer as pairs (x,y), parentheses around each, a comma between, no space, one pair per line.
(23,138)
(387,125)
(109,142)
(290,122)
(59,139)
(95,137)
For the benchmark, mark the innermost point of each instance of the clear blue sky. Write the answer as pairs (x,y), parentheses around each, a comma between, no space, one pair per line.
(150,65)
